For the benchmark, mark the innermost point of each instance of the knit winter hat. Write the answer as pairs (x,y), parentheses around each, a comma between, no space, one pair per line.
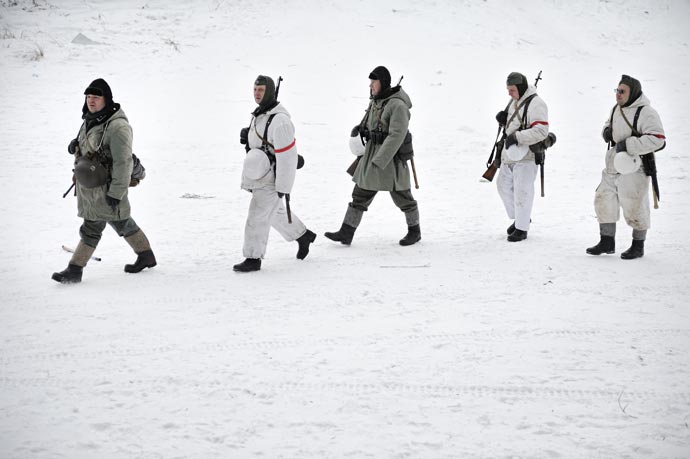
(519,80)
(382,74)
(270,94)
(99,87)
(635,88)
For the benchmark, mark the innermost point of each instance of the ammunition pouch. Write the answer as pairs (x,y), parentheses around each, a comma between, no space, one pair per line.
(649,164)
(377,136)
(405,152)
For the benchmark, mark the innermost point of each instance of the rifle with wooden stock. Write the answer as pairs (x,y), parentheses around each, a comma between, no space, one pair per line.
(494,161)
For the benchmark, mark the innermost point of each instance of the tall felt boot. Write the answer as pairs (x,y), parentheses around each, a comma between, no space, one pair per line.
(607,244)
(344,235)
(636,250)
(141,246)
(414,235)
(304,240)
(72,274)
(352,219)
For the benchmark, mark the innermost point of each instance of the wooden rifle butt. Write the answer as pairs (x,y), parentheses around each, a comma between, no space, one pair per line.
(351,170)
(490,172)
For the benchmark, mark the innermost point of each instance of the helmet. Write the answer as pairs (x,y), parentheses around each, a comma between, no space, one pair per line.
(516,152)
(626,164)
(356,145)
(256,164)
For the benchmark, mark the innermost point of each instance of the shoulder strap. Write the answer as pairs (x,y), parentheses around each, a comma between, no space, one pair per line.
(633,126)
(264,139)
(268,123)
(524,103)
(524,112)
(636,133)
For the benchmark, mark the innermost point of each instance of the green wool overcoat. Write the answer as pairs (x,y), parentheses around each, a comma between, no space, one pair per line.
(377,170)
(115,138)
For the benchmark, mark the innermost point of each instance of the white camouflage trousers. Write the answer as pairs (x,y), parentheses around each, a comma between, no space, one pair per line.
(266,210)
(516,188)
(631,192)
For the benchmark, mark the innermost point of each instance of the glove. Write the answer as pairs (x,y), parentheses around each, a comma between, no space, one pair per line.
(244,136)
(620,146)
(511,140)
(280,195)
(607,135)
(502,117)
(73,146)
(112,202)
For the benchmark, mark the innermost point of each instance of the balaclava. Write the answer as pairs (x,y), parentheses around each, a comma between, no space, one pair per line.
(635,88)
(269,101)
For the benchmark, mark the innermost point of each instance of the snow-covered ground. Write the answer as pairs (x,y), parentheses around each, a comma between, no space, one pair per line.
(463,345)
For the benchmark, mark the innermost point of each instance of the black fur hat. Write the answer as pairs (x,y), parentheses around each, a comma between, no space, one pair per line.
(99,87)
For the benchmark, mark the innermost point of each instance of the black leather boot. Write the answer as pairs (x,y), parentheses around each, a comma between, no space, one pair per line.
(511,228)
(248,265)
(636,250)
(71,275)
(344,235)
(145,259)
(607,244)
(414,235)
(304,240)
(517,235)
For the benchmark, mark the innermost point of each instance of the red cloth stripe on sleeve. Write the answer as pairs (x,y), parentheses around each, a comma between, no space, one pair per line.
(539,122)
(287,148)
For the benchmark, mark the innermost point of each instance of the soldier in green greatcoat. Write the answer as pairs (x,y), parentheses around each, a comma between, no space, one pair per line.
(380,167)
(103,169)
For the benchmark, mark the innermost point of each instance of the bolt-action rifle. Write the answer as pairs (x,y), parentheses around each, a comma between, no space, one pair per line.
(287,195)
(494,161)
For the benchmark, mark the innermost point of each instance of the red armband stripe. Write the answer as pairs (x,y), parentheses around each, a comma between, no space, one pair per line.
(539,122)
(287,148)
